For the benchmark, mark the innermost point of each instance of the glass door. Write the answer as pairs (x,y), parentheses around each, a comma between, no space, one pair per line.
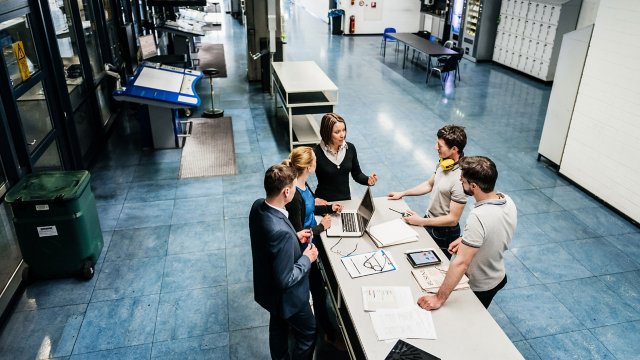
(30,101)
(10,257)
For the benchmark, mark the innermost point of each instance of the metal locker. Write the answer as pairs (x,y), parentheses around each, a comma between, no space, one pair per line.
(554,17)
(517,43)
(542,32)
(524,7)
(540,12)
(521,24)
(551,33)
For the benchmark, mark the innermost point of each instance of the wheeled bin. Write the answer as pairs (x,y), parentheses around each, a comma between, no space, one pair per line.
(57,225)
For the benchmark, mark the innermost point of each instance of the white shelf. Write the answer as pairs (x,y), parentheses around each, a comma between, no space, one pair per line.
(306,130)
(303,89)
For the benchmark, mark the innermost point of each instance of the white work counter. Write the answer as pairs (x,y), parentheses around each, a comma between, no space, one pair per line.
(465,329)
(304,89)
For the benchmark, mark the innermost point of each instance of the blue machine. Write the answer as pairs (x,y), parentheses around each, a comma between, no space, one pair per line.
(164,89)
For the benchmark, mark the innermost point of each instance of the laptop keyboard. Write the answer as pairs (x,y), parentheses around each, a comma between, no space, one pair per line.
(349,222)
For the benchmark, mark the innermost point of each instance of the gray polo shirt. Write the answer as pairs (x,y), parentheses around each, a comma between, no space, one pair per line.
(446,188)
(489,227)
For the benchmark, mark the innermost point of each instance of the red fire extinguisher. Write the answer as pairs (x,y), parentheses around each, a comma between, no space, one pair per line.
(352,24)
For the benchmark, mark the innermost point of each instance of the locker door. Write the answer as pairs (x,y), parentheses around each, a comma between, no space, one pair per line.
(524,49)
(504,6)
(524,7)
(540,11)
(521,24)
(542,33)
(551,33)
(497,53)
(531,11)
(546,54)
(554,16)
(517,43)
(510,6)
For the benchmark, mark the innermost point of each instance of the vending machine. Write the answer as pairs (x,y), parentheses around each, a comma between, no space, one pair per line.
(456,21)
(479,25)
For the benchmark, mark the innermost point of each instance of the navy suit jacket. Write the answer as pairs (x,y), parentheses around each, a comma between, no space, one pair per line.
(280,272)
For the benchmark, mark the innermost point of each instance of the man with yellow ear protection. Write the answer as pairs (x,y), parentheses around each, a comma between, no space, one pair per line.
(447,196)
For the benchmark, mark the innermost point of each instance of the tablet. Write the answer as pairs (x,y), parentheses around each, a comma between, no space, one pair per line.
(423,258)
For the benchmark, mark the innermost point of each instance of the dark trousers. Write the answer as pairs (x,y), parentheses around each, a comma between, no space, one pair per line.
(444,236)
(485,297)
(303,326)
(319,295)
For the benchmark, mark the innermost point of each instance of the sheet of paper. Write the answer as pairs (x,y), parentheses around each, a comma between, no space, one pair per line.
(159,79)
(407,323)
(374,262)
(377,298)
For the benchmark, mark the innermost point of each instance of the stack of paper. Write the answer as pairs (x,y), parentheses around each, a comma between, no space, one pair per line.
(392,233)
(394,313)
(430,278)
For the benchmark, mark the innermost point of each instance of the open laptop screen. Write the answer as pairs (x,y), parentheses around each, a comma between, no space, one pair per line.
(366,208)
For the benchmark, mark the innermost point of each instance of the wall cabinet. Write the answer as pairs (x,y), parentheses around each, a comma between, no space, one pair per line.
(530,32)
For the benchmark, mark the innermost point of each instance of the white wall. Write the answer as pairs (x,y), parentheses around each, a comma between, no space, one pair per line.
(588,13)
(403,15)
(317,8)
(602,152)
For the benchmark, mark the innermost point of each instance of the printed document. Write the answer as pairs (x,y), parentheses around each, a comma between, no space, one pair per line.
(377,298)
(406,323)
(374,262)
(430,278)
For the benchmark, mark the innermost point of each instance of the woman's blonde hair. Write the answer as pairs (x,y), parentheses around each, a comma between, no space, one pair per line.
(300,159)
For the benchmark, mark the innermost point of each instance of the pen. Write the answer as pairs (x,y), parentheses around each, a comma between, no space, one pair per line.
(399,212)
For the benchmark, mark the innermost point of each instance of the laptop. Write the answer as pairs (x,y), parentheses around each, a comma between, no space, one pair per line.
(353,223)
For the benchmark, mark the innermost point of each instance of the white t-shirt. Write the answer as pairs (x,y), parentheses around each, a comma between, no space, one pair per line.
(489,227)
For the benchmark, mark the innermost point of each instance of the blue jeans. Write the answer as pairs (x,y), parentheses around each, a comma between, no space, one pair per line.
(443,236)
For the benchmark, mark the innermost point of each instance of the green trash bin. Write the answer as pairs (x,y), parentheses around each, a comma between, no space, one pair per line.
(56,221)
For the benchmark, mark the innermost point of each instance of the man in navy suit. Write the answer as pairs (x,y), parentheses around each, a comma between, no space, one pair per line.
(280,269)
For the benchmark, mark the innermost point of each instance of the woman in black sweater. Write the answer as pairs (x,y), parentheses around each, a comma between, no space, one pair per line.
(302,211)
(336,158)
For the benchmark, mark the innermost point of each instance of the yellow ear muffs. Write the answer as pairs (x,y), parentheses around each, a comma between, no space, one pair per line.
(447,164)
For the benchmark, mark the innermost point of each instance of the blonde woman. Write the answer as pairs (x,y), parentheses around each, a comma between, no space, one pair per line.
(302,211)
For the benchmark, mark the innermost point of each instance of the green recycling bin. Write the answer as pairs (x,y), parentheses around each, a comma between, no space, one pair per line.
(56,221)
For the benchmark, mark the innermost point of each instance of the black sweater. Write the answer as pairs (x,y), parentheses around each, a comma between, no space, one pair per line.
(297,213)
(333,180)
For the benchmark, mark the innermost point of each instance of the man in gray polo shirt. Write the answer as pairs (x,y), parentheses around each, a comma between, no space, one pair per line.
(447,197)
(487,234)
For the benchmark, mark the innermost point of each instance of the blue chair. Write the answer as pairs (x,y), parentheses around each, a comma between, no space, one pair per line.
(386,38)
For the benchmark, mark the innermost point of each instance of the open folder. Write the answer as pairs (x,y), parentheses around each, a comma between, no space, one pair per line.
(392,232)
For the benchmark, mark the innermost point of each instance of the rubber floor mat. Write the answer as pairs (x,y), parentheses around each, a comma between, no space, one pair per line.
(209,151)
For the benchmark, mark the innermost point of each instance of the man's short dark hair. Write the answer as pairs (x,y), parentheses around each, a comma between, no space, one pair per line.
(454,135)
(479,170)
(277,178)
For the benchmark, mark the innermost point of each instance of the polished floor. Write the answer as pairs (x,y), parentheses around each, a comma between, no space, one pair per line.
(174,278)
